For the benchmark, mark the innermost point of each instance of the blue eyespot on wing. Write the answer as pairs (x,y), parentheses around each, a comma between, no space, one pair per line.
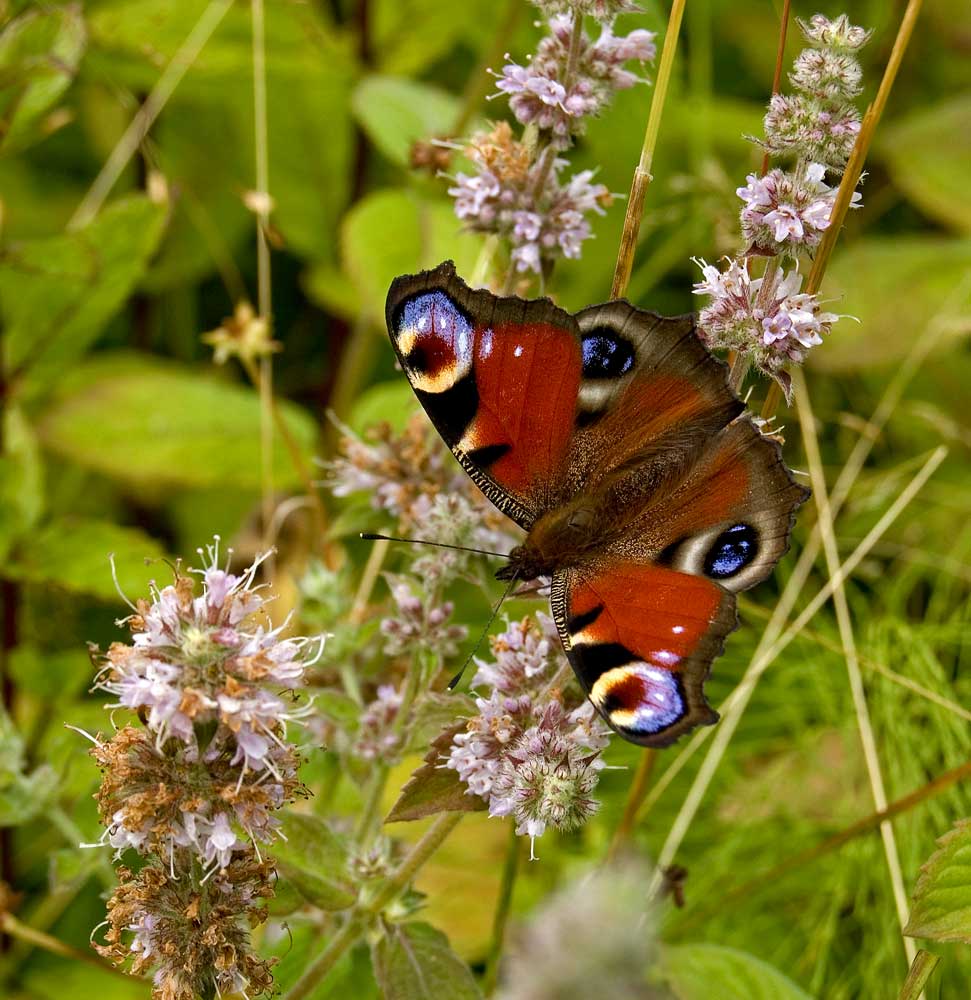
(733,550)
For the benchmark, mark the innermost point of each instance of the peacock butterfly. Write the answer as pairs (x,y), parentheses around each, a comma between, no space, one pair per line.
(613,438)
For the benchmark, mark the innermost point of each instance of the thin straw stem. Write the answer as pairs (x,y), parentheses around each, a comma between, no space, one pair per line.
(642,174)
(145,117)
(741,695)
(847,638)
(264,285)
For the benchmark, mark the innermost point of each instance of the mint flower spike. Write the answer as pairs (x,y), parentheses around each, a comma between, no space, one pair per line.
(555,91)
(194,789)
(531,752)
(774,325)
(526,202)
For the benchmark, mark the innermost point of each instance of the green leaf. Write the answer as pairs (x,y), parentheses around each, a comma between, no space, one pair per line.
(865,281)
(942,896)
(703,971)
(21,479)
(315,861)
(387,402)
(928,154)
(435,712)
(169,425)
(396,112)
(408,37)
(52,675)
(39,55)
(73,553)
(394,232)
(22,796)
(310,72)
(414,961)
(286,899)
(57,294)
(433,788)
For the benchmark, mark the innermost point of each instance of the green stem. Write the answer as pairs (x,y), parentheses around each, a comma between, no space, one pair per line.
(503,905)
(360,917)
(316,972)
(921,968)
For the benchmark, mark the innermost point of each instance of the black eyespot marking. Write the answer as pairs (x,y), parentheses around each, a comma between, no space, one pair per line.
(667,555)
(731,552)
(452,410)
(579,622)
(606,355)
(488,454)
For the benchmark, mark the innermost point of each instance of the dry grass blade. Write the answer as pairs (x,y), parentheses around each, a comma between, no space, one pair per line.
(138,128)
(736,704)
(845,625)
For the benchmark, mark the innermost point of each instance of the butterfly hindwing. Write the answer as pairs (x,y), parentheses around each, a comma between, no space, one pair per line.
(641,638)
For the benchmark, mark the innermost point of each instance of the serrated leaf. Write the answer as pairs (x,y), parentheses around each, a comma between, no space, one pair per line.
(929,157)
(703,971)
(169,425)
(73,553)
(414,961)
(942,896)
(396,112)
(56,294)
(39,55)
(434,788)
(394,232)
(315,861)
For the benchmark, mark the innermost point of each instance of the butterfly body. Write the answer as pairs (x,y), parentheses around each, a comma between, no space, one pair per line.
(612,437)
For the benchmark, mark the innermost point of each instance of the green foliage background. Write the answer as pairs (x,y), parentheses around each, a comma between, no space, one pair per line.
(119,434)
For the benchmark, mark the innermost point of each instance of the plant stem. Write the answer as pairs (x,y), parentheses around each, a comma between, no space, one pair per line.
(503,905)
(431,840)
(642,173)
(255,375)
(848,640)
(15,929)
(779,61)
(317,971)
(921,968)
(359,917)
(635,797)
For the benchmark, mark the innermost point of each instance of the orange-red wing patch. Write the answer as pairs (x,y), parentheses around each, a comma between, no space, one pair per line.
(641,639)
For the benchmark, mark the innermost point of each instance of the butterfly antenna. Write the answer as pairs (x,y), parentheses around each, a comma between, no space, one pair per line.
(373,536)
(495,611)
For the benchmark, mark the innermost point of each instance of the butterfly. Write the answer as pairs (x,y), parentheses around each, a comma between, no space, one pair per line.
(612,437)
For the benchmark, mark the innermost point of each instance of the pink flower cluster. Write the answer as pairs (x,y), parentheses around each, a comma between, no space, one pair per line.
(527,753)
(543,218)
(787,212)
(775,324)
(561,86)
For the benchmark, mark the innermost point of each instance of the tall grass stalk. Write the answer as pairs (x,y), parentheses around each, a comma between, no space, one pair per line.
(642,173)
(144,118)
(739,699)
(845,625)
